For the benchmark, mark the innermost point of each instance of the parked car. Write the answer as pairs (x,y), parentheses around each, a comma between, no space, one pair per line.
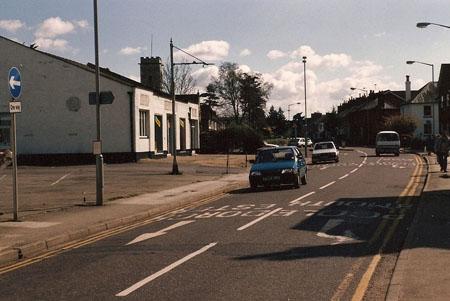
(325,152)
(283,165)
(299,142)
(387,142)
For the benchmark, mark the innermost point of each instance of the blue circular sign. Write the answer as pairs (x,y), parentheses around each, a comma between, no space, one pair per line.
(14,82)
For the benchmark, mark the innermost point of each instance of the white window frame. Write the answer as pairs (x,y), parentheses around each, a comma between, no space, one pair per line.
(144,130)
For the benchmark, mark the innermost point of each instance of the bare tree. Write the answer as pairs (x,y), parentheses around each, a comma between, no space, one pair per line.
(184,82)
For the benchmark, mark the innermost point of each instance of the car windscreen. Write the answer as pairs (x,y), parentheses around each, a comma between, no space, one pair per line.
(328,145)
(274,155)
(387,137)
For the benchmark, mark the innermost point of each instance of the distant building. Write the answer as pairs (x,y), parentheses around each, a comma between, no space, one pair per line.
(444,98)
(424,108)
(57,124)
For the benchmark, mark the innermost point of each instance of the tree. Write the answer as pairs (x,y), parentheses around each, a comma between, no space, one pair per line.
(298,122)
(184,82)
(277,121)
(254,94)
(228,87)
(404,125)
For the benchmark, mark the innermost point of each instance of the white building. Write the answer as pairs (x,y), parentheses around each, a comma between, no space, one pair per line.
(424,108)
(58,124)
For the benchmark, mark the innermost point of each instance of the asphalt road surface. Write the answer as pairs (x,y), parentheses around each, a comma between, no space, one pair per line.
(335,238)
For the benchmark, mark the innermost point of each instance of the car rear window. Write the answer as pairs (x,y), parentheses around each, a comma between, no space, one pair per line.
(324,145)
(273,155)
(387,137)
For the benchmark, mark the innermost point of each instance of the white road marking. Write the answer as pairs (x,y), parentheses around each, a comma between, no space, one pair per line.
(354,170)
(2,177)
(360,165)
(60,179)
(332,223)
(325,186)
(152,277)
(322,168)
(258,219)
(296,201)
(146,236)
(343,177)
(32,225)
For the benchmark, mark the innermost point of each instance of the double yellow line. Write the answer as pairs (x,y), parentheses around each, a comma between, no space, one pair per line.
(404,199)
(101,235)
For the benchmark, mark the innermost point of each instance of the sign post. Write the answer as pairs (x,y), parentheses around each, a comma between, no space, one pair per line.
(15,89)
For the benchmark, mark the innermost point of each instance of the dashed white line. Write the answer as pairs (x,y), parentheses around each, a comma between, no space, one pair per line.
(60,179)
(344,176)
(354,170)
(152,277)
(360,165)
(259,219)
(329,184)
(303,196)
(322,168)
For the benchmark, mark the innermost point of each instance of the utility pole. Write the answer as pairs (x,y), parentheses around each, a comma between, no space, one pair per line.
(175,170)
(98,156)
(306,120)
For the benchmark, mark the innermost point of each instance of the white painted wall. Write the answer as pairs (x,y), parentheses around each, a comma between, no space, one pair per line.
(46,125)
(157,105)
(416,111)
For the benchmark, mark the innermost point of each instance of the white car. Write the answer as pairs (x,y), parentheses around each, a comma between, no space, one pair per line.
(299,142)
(325,152)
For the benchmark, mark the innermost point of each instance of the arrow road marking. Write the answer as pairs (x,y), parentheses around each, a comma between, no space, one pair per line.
(152,277)
(146,236)
(348,235)
(13,82)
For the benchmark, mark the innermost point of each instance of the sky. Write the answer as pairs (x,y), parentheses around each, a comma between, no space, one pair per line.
(348,43)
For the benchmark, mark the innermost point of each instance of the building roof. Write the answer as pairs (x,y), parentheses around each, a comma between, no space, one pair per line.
(105,72)
(426,94)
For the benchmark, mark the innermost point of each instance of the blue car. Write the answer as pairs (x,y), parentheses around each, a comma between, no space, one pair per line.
(277,166)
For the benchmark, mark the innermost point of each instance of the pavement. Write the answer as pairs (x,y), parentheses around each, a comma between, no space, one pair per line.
(421,271)
(422,268)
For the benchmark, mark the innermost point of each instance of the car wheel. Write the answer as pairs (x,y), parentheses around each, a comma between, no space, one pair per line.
(304,179)
(397,154)
(337,160)
(377,154)
(253,186)
(296,182)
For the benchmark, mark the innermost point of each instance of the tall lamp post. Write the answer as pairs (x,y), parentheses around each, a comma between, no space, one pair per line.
(367,112)
(432,80)
(425,24)
(289,111)
(306,119)
(289,108)
(98,155)
(198,61)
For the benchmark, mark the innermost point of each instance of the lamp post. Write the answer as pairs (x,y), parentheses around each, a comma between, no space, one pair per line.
(175,170)
(306,120)
(425,24)
(98,155)
(289,108)
(367,112)
(432,81)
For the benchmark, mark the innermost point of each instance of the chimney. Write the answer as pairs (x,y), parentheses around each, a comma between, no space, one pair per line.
(407,90)
(151,73)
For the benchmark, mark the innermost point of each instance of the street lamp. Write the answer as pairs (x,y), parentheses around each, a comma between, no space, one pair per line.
(98,154)
(363,89)
(306,119)
(425,24)
(289,108)
(175,170)
(432,80)
(367,112)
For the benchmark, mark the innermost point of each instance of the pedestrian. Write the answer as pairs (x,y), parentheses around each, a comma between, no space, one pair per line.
(437,143)
(442,151)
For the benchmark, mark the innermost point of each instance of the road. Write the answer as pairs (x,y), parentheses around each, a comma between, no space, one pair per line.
(335,238)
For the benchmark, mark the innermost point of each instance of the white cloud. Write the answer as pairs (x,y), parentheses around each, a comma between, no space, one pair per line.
(275,54)
(206,50)
(379,34)
(53,27)
(244,68)
(82,23)
(203,76)
(245,52)
(52,44)
(328,80)
(11,25)
(131,51)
